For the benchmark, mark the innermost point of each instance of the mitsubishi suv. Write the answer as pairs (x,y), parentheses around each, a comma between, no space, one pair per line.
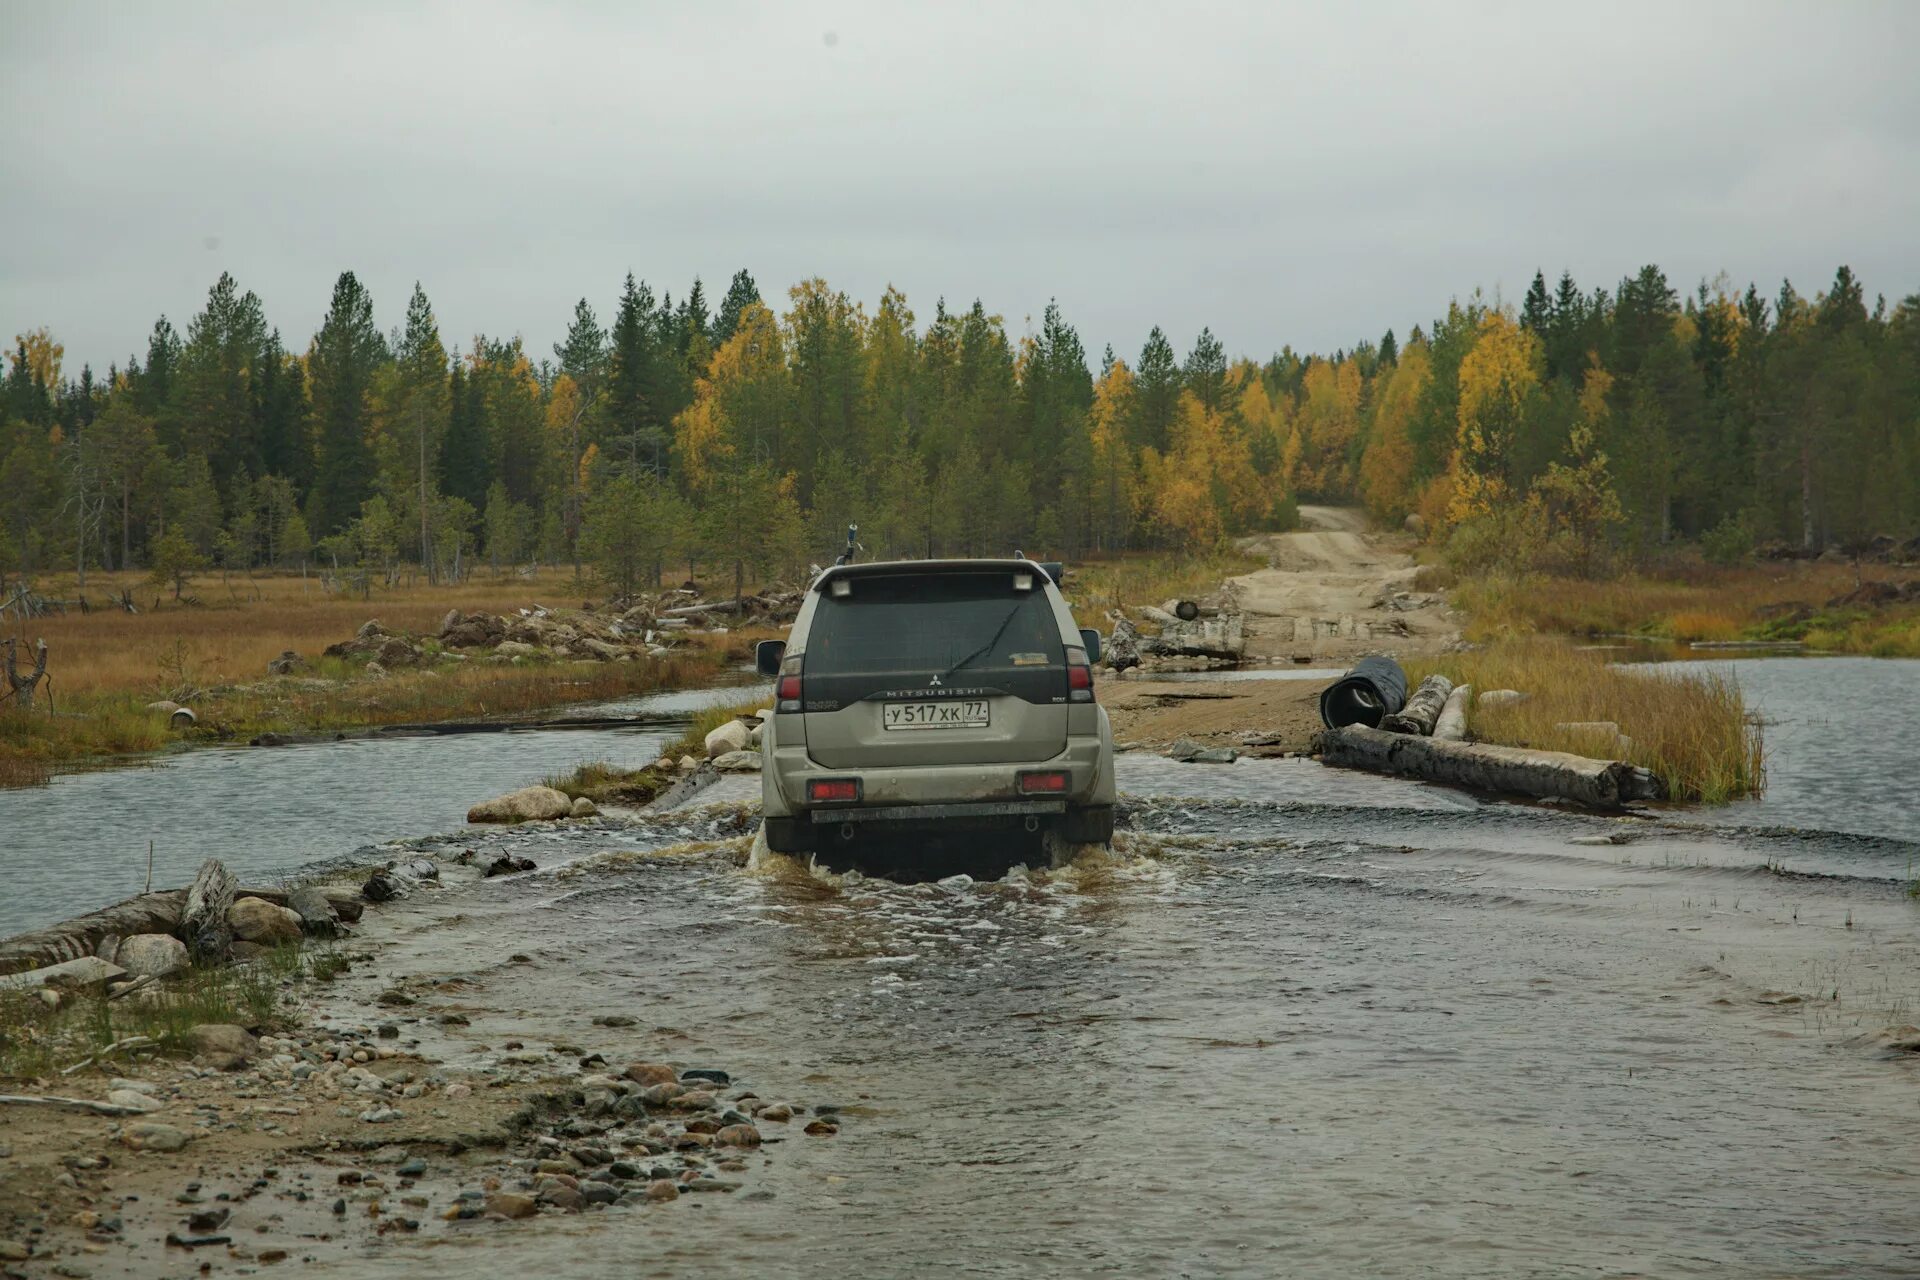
(931,697)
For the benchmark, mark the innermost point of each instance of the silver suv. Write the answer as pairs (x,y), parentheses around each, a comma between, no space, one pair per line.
(935,696)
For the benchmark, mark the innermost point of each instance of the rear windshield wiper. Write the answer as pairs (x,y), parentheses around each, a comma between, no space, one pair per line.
(988,646)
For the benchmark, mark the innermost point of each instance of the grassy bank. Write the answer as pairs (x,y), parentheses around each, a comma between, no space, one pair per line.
(1798,602)
(38,1040)
(1690,727)
(107,665)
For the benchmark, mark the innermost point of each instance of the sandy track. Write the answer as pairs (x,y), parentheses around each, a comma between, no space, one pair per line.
(1334,590)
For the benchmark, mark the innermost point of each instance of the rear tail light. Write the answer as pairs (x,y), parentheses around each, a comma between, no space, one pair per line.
(831,790)
(1079,676)
(787,690)
(1053,782)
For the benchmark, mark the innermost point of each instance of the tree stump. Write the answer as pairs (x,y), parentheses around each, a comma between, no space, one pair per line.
(204,921)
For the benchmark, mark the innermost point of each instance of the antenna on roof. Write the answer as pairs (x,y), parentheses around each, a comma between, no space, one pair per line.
(846,557)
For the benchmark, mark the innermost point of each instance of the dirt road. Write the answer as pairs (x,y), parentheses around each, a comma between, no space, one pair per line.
(1331,592)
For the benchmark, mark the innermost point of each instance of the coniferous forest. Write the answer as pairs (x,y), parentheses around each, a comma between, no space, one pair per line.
(1585,429)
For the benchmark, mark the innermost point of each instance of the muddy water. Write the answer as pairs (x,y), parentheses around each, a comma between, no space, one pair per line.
(1260,1040)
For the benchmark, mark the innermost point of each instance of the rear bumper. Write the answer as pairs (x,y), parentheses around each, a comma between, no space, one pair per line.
(941,812)
(1087,761)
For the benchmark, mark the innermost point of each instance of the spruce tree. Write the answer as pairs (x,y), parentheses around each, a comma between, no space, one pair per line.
(1206,371)
(346,352)
(741,294)
(464,471)
(1389,351)
(631,383)
(1536,312)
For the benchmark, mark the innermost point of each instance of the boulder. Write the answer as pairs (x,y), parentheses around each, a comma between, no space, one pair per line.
(474,631)
(397,652)
(529,804)
(134,1099)
(151,1135)
(509,1205)
(687,764)
(584,808)
(152,955)
(226,1046)
(287,664)
(448,623)
(260,922)
(652,1073)
(738,762)
(345,902)
(603,650)
(316,911)
(1416,524)
(517,649)
(734,735)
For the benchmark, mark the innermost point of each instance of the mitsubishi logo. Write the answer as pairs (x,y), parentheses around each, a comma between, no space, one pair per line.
(933,682)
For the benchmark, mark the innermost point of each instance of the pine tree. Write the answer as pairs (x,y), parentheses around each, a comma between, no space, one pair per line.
(631,436)
(1159,391)
(1205,374)
(1389,351)
(464,470)
(346,352)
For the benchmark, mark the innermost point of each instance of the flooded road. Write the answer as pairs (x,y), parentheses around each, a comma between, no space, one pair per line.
(1240,1046)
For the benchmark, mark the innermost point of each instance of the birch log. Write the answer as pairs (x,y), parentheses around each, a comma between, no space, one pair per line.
(1422,709)
(1602,784)
(1452,724)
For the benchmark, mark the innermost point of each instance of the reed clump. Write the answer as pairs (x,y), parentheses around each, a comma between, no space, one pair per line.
(1687,724)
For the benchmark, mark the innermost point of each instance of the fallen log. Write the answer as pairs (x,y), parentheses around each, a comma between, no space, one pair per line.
(1422,709)
(1601,784)
(146,913)
(203,922)
(1221,637)
(1452,724)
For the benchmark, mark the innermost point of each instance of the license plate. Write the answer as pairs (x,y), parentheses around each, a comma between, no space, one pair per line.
(935,715)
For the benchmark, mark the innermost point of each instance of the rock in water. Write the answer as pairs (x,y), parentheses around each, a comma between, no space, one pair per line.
(258,921)
(584,808)
(316,912)
(738,762)
(381,888)
(153,955)
(529,804)
(506,865)
(732,736)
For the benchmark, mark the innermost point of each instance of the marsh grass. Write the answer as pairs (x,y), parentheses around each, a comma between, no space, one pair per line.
(603,782)
(1784,601)
(107,665)
(38,1041)
(1690,726)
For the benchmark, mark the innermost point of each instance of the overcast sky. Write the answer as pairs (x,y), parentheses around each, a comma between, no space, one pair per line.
(1286,174)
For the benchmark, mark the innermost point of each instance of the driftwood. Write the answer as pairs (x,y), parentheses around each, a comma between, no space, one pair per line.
(1452,724)
(147,913)
(1221,637)
(1602,784)
(203,921)
(1422,709)
(70,1104)
(131,1042)
(69,975)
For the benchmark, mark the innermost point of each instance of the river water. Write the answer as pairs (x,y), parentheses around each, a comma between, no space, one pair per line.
(1301,1022)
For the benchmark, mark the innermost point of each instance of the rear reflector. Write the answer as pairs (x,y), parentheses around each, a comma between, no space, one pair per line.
(833,789)
(1044,783)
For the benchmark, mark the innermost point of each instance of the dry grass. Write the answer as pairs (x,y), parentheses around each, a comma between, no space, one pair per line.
(1128,581)
(107,665)
(604,783)
(1689,726)
(1765,601)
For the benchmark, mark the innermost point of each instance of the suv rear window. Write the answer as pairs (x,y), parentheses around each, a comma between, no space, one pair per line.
(933,623)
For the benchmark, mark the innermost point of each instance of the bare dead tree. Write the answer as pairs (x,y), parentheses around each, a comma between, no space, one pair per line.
(19,686)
